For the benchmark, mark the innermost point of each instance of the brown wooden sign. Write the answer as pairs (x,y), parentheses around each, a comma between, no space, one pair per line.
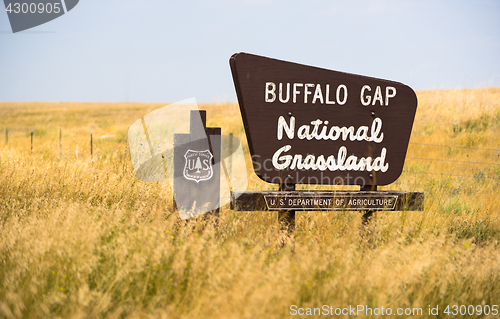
(307,125)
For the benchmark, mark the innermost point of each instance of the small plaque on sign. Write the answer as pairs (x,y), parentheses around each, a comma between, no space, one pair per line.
(330,202)
(327,200)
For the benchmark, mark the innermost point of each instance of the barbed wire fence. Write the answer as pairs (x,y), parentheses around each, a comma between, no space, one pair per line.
(495,164)
(61,138)
(32,134)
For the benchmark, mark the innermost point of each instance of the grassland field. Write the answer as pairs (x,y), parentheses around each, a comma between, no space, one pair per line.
(81,237)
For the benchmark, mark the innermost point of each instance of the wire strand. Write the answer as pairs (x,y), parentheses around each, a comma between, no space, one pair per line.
(471,148)
(433,173)
(444,160)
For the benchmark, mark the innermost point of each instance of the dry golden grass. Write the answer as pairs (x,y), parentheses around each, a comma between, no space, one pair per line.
(82,238)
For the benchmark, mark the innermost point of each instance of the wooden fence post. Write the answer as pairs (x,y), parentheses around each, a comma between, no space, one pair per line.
(31,139)
(91,146)
(60,142)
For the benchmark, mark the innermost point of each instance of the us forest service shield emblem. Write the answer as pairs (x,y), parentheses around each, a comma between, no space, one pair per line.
(198,166)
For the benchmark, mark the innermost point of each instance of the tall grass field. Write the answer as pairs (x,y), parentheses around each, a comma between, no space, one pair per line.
(81,237)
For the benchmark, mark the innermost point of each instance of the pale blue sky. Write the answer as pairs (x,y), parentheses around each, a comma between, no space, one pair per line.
(166,51)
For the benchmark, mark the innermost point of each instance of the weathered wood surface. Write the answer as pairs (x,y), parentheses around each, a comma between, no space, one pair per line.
(327,200)
(272,91)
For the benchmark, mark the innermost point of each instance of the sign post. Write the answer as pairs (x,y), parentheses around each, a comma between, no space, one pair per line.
(286,218)
(308,125)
